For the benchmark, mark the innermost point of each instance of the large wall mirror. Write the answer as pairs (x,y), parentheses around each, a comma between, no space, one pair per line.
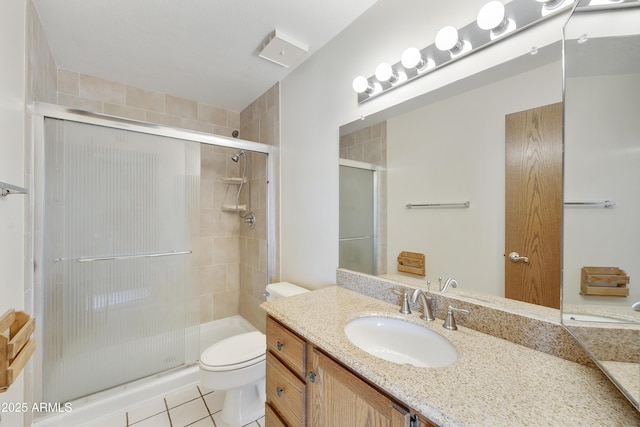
(601,265)
(450,149)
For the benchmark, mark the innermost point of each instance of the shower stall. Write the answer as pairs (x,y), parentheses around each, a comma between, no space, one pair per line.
(142,233)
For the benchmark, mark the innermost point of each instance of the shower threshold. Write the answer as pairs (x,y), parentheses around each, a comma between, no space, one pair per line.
(89,410)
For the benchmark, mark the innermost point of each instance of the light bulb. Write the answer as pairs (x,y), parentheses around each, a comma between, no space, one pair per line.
(491,16)
(551,6)
(412,58)
(447,38)
(361,85)
(385,73)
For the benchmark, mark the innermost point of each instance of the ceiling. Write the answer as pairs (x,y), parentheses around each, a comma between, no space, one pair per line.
(205,50)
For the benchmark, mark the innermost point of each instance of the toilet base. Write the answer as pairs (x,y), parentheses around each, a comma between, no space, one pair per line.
(245,404)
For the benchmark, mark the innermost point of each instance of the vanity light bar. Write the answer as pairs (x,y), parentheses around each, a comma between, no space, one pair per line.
(495,22)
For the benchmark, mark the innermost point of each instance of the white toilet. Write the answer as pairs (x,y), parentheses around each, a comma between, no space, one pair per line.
(237,365)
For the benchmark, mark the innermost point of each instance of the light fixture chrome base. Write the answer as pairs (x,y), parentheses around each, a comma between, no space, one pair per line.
(524,13)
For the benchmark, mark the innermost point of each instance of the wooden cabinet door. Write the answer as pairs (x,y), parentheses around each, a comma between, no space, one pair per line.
(533,201)
(338,398)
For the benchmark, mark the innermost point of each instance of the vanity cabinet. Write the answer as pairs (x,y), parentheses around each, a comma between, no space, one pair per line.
(286,375)
(306,387)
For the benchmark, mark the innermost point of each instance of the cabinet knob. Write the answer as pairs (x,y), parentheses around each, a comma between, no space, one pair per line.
(279,345)
(279,391)
(312,376)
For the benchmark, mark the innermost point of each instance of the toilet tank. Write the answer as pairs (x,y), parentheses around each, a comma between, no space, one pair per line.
(282,290)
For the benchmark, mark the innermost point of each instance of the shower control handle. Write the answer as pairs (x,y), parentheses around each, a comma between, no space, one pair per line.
(279,345)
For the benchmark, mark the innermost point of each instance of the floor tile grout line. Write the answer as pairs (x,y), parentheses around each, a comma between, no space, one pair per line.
(164,399)
(186,401)
(205,402)
(207,406)
(197,421)
(147,417)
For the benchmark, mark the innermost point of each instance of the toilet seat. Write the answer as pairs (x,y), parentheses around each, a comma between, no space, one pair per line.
(236,352)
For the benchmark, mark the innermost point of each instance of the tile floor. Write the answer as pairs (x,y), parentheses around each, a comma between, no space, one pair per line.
(192,406)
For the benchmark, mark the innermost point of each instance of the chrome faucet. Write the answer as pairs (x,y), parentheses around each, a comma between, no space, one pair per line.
(450,282)
(427,312)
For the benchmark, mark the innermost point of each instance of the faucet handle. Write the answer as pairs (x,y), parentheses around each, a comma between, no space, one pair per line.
(404,294)
(450,321)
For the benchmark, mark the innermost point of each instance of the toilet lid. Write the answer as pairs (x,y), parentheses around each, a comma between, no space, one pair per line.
(235,350)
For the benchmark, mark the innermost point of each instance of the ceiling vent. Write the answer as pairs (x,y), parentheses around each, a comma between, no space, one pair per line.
(282,49)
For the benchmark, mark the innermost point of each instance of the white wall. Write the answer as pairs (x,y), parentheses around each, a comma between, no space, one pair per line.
(316,99)
(12,171)
(602,163)
(454,151)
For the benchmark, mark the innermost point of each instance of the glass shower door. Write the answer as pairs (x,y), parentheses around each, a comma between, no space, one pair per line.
(357,219)
(120,276)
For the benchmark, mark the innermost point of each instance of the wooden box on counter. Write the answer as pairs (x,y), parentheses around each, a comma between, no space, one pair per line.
(15,348)
(411,262)
(604,281)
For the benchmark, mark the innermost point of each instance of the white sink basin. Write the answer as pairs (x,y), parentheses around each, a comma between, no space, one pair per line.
(401,342)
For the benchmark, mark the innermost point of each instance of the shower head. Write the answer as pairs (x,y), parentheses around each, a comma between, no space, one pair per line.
(236,156)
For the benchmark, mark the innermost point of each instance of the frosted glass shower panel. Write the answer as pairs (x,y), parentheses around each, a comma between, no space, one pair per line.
(120,277)
(357,219)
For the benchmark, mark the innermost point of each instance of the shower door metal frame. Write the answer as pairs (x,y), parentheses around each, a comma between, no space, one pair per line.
(38,112)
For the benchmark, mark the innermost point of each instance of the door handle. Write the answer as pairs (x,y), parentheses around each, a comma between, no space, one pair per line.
(515,257)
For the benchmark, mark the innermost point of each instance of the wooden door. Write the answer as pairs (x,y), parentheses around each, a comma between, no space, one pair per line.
(338,398)
(533,215)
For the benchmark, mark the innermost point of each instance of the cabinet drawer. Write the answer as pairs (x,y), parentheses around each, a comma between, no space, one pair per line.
(285,392)
(287,346)
(271,418)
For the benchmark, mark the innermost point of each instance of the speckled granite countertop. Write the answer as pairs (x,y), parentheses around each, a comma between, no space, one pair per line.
(493,383)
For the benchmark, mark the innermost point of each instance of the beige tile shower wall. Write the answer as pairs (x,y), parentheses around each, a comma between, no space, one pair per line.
(41,68)
(259,122)
(219,235)
(369,145)
(99,95)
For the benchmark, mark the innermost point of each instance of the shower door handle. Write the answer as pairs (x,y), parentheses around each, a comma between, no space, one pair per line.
(124,257)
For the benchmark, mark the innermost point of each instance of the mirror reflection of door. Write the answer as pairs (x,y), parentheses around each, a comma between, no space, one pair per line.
(357,219)
(533,205)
